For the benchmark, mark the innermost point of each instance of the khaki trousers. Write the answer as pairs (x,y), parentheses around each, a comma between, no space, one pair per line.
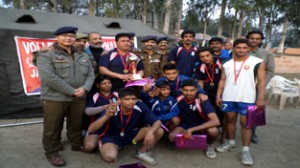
(54,114)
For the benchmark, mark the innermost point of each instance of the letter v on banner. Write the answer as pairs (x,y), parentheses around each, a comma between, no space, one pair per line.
(29,72)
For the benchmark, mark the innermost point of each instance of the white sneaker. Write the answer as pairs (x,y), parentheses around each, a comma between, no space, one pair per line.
(210,152)
(145,157)
(246,158)
(226,147)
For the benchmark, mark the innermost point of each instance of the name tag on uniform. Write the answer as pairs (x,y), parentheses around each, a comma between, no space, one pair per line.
(155,60)
(84,60)
(60,59)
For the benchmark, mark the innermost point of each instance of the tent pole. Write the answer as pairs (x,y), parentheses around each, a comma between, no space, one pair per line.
(19,124)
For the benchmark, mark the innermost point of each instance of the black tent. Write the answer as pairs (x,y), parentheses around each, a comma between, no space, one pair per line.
(13,101)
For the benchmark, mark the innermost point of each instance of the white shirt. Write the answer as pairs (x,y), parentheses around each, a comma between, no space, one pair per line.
(244,88)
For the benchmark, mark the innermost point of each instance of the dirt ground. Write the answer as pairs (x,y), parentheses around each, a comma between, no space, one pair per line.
(278,147)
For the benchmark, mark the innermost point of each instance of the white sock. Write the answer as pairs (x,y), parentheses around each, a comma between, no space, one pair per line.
(246,148)
(231,141)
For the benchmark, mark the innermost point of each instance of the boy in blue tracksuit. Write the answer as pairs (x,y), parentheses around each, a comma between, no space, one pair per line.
(161,103)
(172,76)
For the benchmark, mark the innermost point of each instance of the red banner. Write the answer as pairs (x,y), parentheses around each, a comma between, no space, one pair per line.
(29,72)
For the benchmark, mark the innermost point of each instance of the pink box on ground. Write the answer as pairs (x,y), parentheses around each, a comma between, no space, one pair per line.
(197,142)
(134,165)
(255,117)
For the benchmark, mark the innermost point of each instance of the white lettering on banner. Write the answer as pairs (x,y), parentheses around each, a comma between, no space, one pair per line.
(34,73)
(29,62)
(109,45)
(34,46)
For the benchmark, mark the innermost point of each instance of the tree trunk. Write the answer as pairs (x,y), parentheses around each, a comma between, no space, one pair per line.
(268,34)
(261,19)
(155,20)
(23,4)
(167,17)
(66,7)
(179,17)
(55,6)
(240,29)
(204,32)
(144,13)
(91,7)
(97,4)
(233,35)
(284,31)
(220,29)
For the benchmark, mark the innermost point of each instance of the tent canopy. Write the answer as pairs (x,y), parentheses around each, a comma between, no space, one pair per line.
(13,101)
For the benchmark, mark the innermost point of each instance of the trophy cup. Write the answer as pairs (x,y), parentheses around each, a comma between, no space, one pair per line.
(137,78)
(133,59)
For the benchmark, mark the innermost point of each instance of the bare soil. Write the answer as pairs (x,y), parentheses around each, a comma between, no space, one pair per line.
(278,147)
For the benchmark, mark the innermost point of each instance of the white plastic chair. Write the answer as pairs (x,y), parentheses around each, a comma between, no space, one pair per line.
(292,93)
(298,81)
(277,86)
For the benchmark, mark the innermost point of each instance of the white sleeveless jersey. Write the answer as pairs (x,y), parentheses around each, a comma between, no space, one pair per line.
(245,88)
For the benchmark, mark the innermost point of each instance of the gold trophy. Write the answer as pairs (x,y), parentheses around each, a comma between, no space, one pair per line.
(133,59)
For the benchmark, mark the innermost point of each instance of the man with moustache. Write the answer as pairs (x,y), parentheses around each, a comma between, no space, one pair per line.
(162,49)
(216,43)
(150,57)
(95,46)
(185,56)
(255,38)
(80,41)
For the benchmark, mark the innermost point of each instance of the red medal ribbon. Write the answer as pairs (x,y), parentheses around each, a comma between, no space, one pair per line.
(236,75)
(211,78)
(124,62)
(177,82)
(127,121)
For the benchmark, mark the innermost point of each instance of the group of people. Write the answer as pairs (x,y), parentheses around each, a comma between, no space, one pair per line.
(189,90)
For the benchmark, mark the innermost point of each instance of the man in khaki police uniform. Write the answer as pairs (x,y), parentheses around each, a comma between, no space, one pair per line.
(162,49)
(150,57)
(66,76)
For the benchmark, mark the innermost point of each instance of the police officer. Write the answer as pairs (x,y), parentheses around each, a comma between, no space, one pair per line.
(66,76)
(150,57)
(162,49)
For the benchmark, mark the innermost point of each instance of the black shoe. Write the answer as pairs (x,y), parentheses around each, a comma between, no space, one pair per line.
(254,138)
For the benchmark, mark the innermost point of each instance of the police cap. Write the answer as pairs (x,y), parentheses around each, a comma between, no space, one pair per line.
(161,39)
(66,29)
(146,38)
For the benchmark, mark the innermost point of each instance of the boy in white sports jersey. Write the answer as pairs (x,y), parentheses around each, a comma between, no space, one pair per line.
(241,76)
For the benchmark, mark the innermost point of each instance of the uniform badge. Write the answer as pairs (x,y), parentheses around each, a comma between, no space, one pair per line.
(193,53)
(246,67)
(166,108)
(216,71)
(59,59)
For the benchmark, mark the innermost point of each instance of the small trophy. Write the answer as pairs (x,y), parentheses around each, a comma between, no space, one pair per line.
(137,78)
(132,59)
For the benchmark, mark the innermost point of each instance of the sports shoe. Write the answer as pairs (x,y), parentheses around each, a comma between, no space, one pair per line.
(145,157)
(254,138)
(225,147)
(246,158)
(210,152)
